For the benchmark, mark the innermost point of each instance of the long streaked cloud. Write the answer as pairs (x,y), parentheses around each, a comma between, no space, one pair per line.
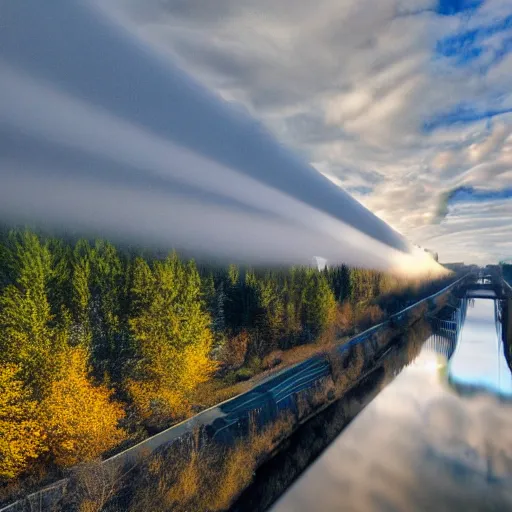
(398,102)
(102,133)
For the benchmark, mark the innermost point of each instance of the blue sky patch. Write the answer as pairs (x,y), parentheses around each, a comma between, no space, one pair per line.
(453,7)
(474,50)
(471,195)
(467,46)
(463,113)
(466,194)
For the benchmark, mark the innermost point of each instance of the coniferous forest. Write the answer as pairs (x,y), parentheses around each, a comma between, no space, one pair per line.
(101,345)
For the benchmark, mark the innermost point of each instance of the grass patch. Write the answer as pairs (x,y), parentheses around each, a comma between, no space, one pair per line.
(199,475)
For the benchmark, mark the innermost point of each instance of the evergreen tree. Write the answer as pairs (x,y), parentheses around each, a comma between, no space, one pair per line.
(292,327)
(219,318)
(27,335)
(234,306)
(107,286)
(271,308)
(319,305)
(208,294)
(59,283)
(81,295)
(172,333)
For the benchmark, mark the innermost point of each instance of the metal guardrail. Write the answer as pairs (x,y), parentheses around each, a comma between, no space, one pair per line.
(225,420)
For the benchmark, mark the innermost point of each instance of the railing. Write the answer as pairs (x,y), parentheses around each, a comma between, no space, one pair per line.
(445,334)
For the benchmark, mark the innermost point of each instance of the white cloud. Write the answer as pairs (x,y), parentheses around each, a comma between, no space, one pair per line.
(350,85)
(103,134)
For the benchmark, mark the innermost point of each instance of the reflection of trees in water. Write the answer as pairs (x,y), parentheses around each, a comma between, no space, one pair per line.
(446,327)
(408,347)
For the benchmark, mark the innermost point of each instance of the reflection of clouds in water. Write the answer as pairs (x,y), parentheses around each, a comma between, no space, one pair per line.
(475,433)
(416,447)
(479,362)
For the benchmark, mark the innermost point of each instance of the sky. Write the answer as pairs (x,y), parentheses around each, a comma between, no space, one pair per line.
(103,133)
(404,104)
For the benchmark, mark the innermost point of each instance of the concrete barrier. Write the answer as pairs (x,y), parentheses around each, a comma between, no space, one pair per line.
(262,404)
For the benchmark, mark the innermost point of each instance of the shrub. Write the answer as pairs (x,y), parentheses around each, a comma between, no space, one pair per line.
(234,351)
(243,374)
(92,485)
(345,316)
(255,364)
(156,405)
(184,477)
(368,316)
(274,359)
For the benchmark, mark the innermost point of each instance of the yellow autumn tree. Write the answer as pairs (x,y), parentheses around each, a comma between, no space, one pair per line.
(80,419)
(167,396)
(21,434)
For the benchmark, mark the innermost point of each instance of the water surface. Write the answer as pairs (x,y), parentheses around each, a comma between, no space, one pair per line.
(439,437)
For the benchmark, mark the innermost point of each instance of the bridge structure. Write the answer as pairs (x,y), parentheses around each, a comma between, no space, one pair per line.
(486,286)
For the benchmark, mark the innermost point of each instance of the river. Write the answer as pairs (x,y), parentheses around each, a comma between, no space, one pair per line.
(437,438)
